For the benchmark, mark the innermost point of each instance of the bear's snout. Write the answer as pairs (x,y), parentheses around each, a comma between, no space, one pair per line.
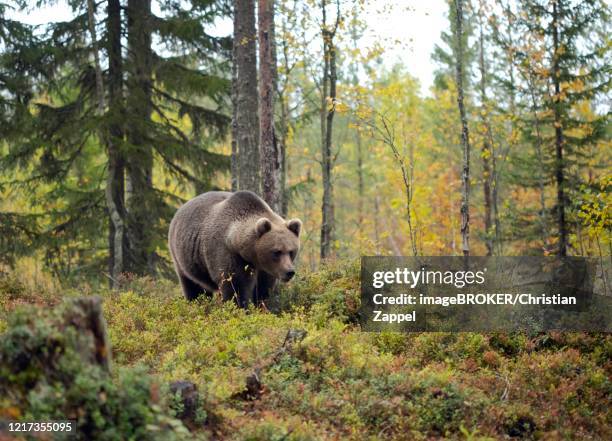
(289,275)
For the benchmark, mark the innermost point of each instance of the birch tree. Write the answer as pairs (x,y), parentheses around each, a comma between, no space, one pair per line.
(465,136)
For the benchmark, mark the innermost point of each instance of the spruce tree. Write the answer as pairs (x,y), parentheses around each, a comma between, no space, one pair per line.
(166,96)
(563,68)
(445,54)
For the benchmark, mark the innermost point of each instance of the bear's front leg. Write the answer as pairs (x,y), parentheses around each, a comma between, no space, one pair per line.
(266,284)
(238,284)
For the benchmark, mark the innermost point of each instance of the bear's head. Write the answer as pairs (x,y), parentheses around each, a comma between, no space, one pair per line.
(276,246)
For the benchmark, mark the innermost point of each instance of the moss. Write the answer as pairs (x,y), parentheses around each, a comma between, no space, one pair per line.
(336,383)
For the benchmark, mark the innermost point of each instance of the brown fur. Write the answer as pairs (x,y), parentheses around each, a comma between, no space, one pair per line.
(233,242)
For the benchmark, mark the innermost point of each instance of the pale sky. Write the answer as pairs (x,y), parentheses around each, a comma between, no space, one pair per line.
(418,25)
(408,29)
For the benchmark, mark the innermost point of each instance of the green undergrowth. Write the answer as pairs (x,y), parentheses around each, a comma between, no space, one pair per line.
(49,371)
(336,383)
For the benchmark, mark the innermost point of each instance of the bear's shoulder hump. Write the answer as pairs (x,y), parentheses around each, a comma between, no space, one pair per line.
(247,201)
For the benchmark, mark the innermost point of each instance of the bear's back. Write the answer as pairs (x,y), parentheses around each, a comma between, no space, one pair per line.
(200,208)
(243,204)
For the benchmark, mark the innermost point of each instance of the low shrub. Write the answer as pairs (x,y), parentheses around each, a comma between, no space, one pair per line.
(48,372)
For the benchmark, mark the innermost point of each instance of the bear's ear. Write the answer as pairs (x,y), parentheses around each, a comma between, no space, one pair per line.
(295,225)
(262,226)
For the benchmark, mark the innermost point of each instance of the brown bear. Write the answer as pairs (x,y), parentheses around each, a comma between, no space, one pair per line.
(232,242)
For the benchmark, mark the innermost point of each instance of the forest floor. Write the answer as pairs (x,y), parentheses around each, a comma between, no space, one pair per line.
(331,382)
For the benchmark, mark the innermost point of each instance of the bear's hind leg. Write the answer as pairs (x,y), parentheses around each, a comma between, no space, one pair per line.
(191,289)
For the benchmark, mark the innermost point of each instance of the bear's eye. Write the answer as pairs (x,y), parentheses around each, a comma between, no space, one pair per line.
(277,254)
(292,255)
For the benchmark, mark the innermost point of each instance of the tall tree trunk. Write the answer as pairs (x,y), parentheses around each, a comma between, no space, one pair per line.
(283,125)
(465,137)
(538,151)
(140,163)
(115,179)
(496,178)
(328,110)
(486,143)
(451,218)
(376,225)
(115,217)
(245,90)
(495,181)
(234,165)
(358,139)
(284,131)
(360,181)
(486,187)
(269,151)
(91,22)
(559,163)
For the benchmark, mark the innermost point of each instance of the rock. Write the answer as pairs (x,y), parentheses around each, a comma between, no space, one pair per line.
(253,386)
(253,389)
(188,399)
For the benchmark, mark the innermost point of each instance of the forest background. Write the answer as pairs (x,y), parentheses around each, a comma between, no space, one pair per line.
(112,119)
